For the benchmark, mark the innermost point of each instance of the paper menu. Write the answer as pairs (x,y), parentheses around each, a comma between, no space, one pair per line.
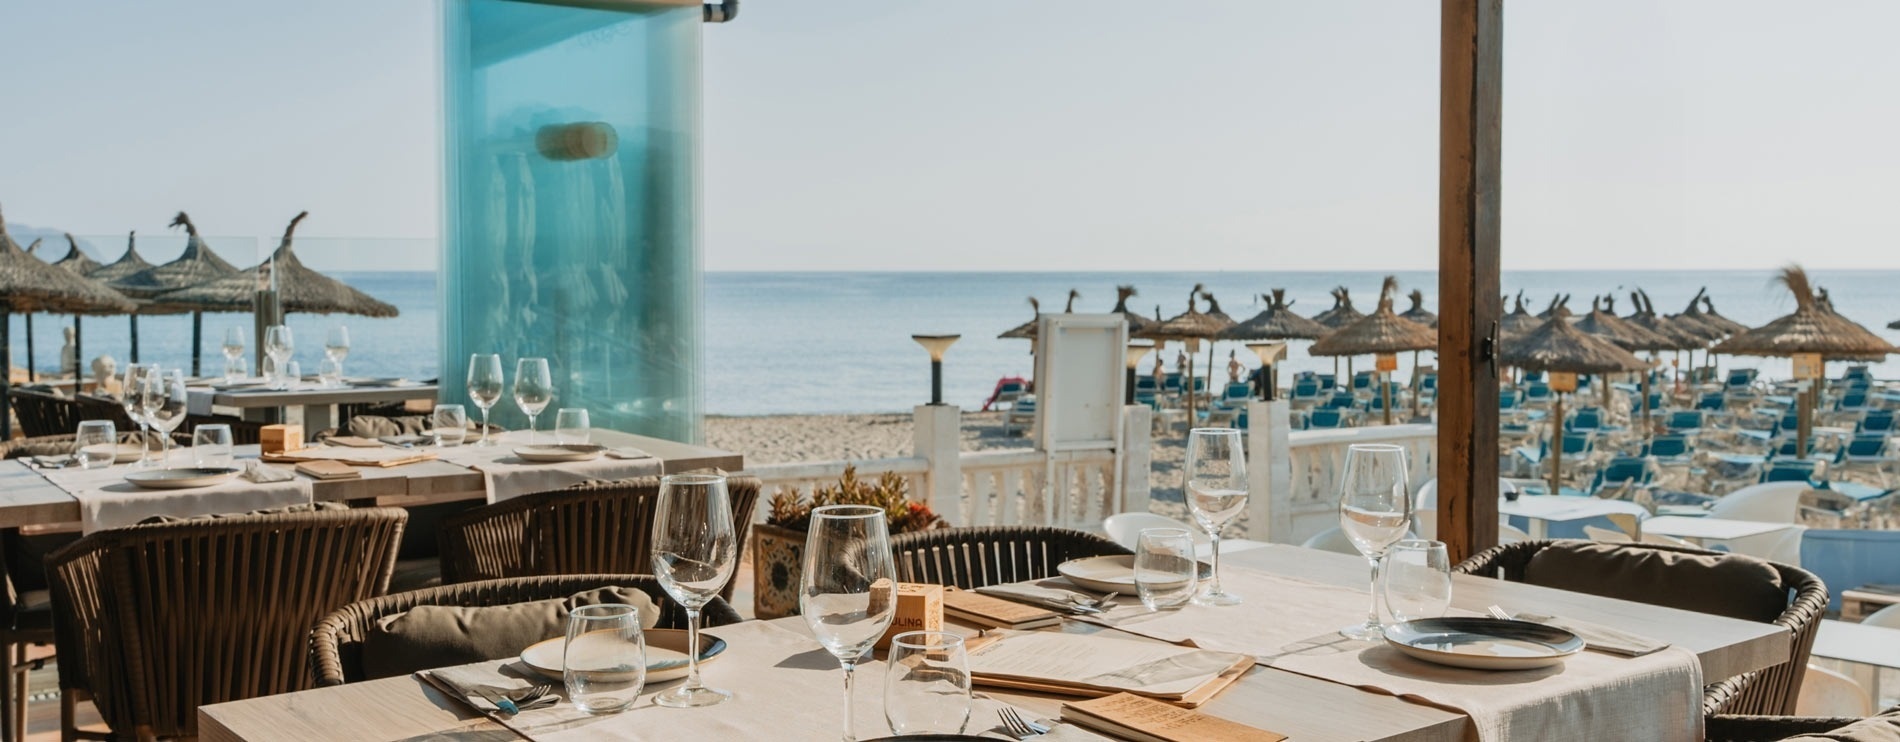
(1147,720)
(986,611)
(1095,662)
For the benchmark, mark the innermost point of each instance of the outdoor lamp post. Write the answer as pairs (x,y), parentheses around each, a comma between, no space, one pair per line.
(936,344)
(1134,353)
(1268,353)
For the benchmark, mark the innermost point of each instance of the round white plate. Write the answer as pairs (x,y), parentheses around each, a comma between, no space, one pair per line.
(179,479)
(666,654)
(567,452)
(1483,643)
(1109,574)
(121,452)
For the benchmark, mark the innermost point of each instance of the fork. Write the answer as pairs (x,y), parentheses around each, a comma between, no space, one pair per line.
(513,701)
(1018,726)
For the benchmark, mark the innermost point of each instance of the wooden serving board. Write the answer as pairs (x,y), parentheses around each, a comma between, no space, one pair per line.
(379,457)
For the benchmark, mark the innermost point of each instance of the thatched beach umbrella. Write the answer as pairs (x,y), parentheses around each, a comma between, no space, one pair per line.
(300,289)
(1678,334)
(28,284)
(1380,333)
(1520,321)
(31,374)
(1225,322)
(1557,347)
(1715,319)
(1276,322)
(78,263)
(1342,313)
(1189,327)
(1559,307)
(1136,322)
(1811,329)
(1026,330)
(1418,313)
(128,265)
(197,265)
(1603,322)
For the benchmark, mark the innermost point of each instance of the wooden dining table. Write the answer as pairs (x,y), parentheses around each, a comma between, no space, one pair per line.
(28,499)
(1304,708)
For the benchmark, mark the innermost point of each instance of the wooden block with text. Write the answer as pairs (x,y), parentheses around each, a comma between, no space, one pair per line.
(919,608)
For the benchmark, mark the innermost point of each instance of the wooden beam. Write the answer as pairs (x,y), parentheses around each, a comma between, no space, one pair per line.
(1470,101)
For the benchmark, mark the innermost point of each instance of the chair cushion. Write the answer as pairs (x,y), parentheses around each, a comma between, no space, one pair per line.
(429,636)
(1722,584)
(298,508)
(1882,728)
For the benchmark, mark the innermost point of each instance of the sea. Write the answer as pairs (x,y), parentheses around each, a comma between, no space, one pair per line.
(821,343)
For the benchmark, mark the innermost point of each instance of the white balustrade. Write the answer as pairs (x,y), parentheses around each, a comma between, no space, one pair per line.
(1301,483)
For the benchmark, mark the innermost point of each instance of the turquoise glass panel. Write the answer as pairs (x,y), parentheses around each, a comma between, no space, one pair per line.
(570,205)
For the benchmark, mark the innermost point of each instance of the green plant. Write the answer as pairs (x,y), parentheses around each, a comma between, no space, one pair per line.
(890,492)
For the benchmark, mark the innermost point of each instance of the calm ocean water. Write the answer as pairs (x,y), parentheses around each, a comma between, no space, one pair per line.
(840,342)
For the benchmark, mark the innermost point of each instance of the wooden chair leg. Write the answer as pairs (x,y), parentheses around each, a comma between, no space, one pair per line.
(7,720)
(68,717)
(21,694)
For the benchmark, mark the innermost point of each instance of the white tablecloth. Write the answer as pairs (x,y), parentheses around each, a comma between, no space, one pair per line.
(509,476)
(106,500)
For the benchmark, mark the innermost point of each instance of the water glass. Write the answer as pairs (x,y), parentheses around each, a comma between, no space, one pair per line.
(927,684)
(1374,510)
(330,373)
(1216,473)
(96,444)
(534,389)
(848,589)
(571,426)
(211,446)
(695,551)
(484,387)
(450,424)
(237,368)
(604,663)
(1166,573)
(293,374)
(1417,575)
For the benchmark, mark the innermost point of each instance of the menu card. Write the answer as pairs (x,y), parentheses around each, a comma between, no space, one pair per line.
(1100,665)
(1129,716)
(986,612)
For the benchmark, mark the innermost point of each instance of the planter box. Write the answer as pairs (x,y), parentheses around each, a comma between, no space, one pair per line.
(777,558)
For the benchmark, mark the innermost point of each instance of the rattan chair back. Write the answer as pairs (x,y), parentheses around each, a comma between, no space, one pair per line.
(1769,691)
(976,557)
(156,620)
(336,644)
(590,528)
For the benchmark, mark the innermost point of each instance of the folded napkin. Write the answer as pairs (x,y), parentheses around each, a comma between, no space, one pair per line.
(471,685)
(353,441)
(1599,637)
(256,471)
(1054,599)
(627,452)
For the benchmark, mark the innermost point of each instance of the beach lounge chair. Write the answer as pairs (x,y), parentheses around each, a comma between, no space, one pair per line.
(1867,452)
(1622,472)
(1236,394)
(1538,394)
(1341,401)
(1685,422)
(1790,470)
(1328,418)
(1854,400)
(1711,402)
(1587,420)
(1741,379)
(1327,381)
(1021,413)
(1858,373)
(1875,421)
(1579,447)
(1306,393)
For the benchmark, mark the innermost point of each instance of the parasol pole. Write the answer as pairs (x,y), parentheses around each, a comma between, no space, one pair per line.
(1188,383)
(197,340)
(6,378)
(1557,445)
(1415,387)
(1385,395)
(79,357)
(1648,430)
(31,376)
(135,336)
(1808,368)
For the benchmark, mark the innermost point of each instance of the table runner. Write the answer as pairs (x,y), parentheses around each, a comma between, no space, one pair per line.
(106,500)
(1292,624)
(508,476)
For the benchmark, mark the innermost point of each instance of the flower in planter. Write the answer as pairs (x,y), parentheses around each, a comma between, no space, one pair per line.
(891,492)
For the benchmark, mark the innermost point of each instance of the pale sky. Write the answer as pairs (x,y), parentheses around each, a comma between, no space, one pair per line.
(1002,135)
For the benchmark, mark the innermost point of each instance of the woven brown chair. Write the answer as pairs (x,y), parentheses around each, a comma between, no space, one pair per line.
(1745,728)
(590,528)
(336,644)
(1768,691)
(970,558)
(26,618)
(153,621)
(44,413)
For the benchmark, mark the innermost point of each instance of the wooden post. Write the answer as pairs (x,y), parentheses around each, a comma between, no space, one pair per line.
(1557,446)
(1470,101)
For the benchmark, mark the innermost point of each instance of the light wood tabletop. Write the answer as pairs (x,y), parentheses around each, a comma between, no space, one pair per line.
(1709,529)
(1305,708)
(28,499)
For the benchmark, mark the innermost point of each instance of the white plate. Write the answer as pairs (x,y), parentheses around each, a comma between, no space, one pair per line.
(1483,643)
(568,452)
(178,479)
(1109,574)
(121,452)
(666,654)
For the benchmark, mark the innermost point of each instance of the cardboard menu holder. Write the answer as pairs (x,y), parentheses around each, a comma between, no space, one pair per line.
(280,438)
(919,608)
(328,470)
(1128,716)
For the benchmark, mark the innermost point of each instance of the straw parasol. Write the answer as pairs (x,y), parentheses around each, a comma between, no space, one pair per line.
(1220,318)
(1136,322)
(31,375)
(128,265)
(1603,322)
(1418,313)
(29,285)
(78,263)
(1026,330)
(1811,329)
(1382,332)
(1519,321)
(1189,327)
(1559,306)
(1714,319)
(1275,323)
(1342,313)
(198,264)
(1678,334)
(1556,346)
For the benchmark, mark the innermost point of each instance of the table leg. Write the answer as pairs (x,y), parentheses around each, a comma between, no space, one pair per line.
(1540,529)
(316,418)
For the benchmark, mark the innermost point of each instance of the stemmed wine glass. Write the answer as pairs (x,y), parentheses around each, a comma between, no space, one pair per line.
(848,592)
(233,350)
(164,405)
(694,551)
(484,387)
(132,397)
(1374,510)
(336,346)
(534,389)
(1216,493)
(279,345)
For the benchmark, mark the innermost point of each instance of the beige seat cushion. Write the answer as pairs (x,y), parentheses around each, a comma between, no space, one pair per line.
(429,636)
(1882,728)
(1725,585)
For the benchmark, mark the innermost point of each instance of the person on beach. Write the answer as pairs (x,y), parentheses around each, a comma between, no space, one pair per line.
(1234,368)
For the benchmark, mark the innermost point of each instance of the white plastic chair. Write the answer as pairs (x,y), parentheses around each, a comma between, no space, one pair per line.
(1126,528)
(1888,617)
(1773,502)
(1827,693)
(1333,540)
(1606,535)
(1509,534)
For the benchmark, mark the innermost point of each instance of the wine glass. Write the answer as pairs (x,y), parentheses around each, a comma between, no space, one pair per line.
(279,345)
(927,684)
(484,387)
(233,350)
(1417,575)
(132,397)
(164,405)
(848,592)
(1216,493)
(694,552)
(336,346)
(1374,509)
(534,389)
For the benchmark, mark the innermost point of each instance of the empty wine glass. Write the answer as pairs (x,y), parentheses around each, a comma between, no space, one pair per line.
(1216,473)
(848,592)
(96,444)
(534,389)
(336,346)
(484,387)
(233,350)
(449,424)
(132,397)
(604,663)
(1417,576)
(1166,572)
(571,426)
(211,446)
(279,345)
(1374,510)
(927,684)
(694,552)
(164,403)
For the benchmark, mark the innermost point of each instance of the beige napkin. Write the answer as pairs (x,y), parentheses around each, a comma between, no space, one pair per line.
(627,452)
(484,689)
(259,472)
(1599,637)
(1055,599)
